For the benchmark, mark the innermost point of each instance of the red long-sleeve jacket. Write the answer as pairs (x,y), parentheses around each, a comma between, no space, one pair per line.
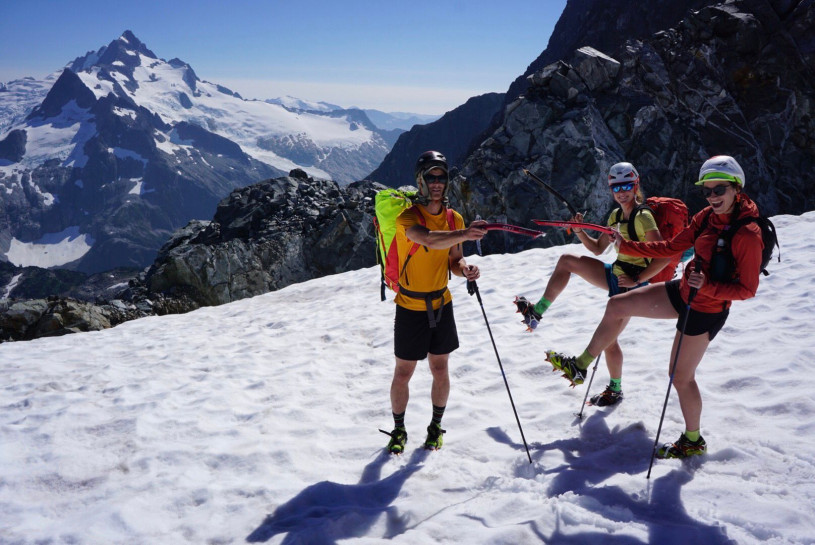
(746,247)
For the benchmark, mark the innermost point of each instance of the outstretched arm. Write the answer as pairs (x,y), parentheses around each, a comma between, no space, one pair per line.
(440,240)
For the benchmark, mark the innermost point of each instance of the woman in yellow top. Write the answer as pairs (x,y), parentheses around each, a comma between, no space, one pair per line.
(626,273)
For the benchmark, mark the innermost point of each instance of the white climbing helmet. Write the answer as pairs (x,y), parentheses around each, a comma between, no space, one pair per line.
(623,173)
(721,168)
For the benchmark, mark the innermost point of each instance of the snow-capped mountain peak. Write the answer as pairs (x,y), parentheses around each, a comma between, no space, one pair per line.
(122,50)
(121,117)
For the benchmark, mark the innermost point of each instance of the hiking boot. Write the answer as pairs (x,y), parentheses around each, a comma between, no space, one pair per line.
(568,364)
(531,315)
(398,439)
(683,448)
(608,397)
(434,437)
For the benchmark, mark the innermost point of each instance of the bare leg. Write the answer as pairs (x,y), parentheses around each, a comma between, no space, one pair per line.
(589,269)
(690,354)
(440,390)
(400,390)
(646,302)
(614,358)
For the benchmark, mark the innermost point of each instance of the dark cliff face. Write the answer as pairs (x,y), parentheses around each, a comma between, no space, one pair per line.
(735,79)
(604,25)
(452,135)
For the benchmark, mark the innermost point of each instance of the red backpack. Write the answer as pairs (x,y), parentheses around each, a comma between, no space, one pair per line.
(671,217)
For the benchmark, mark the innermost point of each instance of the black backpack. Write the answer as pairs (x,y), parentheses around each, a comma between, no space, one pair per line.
(722,264)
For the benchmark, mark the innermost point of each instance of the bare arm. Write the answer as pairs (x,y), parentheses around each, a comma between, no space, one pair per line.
(595,245)
(655,265)
(459,266)
(440,240)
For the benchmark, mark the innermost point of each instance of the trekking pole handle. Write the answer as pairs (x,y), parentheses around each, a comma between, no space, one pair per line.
(472,288)
(697,267)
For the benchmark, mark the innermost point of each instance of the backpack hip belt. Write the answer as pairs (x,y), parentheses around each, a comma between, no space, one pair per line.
(630,270)
(428,297)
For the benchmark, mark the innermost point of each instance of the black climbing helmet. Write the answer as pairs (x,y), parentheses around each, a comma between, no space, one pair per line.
(426,162)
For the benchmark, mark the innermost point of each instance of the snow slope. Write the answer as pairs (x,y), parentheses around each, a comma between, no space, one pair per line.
(52,250)
(20,96)
(257,421)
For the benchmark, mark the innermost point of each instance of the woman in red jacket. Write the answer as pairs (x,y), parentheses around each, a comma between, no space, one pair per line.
(722,183)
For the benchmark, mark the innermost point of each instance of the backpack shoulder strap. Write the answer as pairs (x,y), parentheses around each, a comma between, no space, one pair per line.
(419,215)
(704,224)
(618,214)
(632,228)
(738,224)
(451,219)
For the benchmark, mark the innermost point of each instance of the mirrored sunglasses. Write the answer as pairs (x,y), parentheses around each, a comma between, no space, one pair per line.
(622,187)
(717,190)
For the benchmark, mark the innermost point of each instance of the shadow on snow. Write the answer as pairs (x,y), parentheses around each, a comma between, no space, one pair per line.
(598,454)
(327,512)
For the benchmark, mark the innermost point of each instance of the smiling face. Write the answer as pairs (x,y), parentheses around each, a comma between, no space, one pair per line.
(625,193)
(436,180)
(721,195)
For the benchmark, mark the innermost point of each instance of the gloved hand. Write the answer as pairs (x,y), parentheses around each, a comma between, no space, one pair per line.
(527,309)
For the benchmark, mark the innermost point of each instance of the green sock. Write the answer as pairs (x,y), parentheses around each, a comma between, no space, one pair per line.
(616,384)
(585,359)
(693,435)
(542,305)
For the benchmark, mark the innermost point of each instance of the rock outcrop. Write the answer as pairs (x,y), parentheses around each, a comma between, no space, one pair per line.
(733,79)
(267,236)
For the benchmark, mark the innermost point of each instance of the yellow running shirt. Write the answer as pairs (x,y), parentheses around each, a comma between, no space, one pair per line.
(643,222)
(428,269)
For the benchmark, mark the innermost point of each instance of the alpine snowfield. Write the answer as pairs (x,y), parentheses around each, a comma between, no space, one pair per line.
(257,422)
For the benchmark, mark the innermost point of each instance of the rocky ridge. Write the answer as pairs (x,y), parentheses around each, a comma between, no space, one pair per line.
(735,79)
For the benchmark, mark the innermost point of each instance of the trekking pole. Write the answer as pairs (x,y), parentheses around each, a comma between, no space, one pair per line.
(472,288)
(691,295)
(585,397)
(550,189)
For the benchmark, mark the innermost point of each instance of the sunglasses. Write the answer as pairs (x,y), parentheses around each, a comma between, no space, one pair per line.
(432,178)
(622,187)
(717,190)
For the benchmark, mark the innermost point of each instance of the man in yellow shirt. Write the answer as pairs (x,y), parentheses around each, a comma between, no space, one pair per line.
(424,325)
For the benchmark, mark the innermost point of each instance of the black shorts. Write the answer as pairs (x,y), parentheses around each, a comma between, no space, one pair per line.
(413,337)
(698,322)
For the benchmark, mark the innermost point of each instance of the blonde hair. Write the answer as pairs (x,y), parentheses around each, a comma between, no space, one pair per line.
(639,197)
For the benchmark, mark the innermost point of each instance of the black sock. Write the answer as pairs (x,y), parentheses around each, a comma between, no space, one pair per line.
(438,412)
(399,420)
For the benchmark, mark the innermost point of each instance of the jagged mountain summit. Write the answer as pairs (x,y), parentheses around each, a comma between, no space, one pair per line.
(126,147)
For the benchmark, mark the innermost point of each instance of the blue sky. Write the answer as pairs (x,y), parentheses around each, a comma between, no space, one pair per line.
(418,56)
